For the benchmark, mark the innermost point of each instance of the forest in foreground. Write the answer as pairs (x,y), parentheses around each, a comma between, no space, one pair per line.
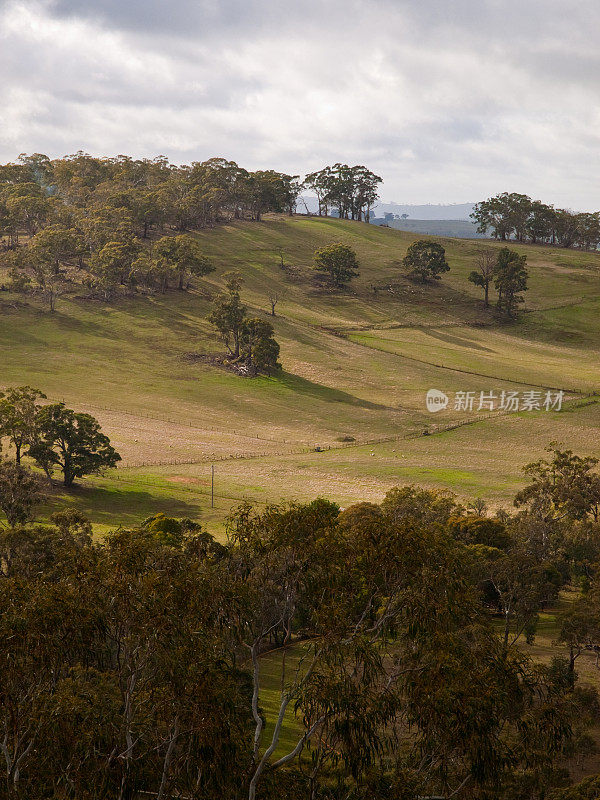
(374,652)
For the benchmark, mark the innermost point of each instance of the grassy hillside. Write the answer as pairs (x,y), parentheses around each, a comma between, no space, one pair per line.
(356,364)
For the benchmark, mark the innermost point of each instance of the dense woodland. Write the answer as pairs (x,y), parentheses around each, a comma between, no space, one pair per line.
(516,216)
(391,636)
(124,222)
(134,667)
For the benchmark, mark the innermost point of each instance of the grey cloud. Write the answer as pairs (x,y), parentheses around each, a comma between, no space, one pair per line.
(188,18)
(447,100)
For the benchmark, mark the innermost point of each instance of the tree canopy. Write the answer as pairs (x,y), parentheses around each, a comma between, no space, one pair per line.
(123,223)
(510,215)
(144,664)
(352,191)
(20,491)
(486,260)
(71,441)
(426,261)
(250,341)
(510,280)
(337,263)
(18,417)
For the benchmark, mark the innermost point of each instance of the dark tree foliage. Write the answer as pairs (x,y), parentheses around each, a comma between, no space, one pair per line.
(95,219)
(133,666)
(516,216)
(142,664)
(118,673)
(20,491)
(18,416)
(71,441)
(425,261)
(352,191)
(337,263)
(510,280)
(564,486)
(486,260)
(250,341)
(587,789)
(182,256)
(259,348)
(483,531)
(228,313)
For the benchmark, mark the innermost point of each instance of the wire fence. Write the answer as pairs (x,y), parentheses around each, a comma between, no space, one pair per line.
(578,402)
(183,423)
(448,368)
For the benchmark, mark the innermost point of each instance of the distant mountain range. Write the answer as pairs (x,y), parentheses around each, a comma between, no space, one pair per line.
(455,228)
(431,219)
(429,211)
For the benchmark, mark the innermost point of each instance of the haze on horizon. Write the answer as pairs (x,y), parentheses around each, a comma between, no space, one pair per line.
(448,102)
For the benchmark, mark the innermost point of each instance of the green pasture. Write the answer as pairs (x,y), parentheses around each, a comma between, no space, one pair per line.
(357,365)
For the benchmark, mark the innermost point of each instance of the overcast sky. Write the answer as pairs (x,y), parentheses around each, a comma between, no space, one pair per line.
(448,100)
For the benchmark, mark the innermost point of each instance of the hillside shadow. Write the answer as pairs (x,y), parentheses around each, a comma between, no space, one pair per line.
(163,314)
(76,325)
(43,322)
(117,506)
(318,391)
(160,312)
(457,340)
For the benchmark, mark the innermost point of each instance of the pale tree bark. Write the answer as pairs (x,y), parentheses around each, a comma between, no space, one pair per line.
(260,764)
(16,745)
(167,760)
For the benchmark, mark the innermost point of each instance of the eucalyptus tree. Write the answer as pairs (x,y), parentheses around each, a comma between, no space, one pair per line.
(338,263)
(351,190)
(565,485)
(183,257)
(426,261)
(19,406)
(229,312)
(20,491)
(72,442)
(511,280)
(485,260)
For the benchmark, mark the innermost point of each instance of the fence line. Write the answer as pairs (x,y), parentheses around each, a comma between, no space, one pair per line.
(446,367)
(576,402)
(213,459)
(306,449)
(183,423)
(245,456)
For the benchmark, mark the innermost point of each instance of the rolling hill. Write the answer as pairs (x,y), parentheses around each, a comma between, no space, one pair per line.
(347,416)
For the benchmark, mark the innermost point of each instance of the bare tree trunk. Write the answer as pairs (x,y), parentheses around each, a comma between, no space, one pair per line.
(506,627)
(167,761)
